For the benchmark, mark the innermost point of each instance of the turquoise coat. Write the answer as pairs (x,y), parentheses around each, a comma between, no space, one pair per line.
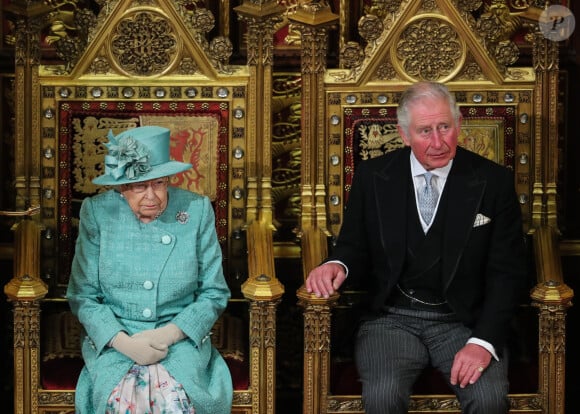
(131,276)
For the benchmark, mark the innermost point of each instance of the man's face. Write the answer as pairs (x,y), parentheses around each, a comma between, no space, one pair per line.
(432,133)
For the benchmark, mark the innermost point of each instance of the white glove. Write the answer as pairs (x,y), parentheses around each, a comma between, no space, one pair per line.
(142,350)
(167,335)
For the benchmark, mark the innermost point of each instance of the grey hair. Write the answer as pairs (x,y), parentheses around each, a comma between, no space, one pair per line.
(419,91)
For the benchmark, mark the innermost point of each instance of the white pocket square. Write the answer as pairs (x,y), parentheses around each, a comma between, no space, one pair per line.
(480,220)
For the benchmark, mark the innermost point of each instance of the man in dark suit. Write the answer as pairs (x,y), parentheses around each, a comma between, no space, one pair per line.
(442,259)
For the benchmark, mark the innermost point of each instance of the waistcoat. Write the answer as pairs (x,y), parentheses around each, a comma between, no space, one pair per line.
(422,267)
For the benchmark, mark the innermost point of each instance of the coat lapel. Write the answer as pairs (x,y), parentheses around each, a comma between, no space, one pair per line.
(391,186)
(464,191)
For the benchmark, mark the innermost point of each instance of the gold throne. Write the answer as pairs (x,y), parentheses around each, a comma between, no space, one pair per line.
(127,64)
(509,116)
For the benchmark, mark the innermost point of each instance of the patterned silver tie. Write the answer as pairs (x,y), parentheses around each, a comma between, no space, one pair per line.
(428,198)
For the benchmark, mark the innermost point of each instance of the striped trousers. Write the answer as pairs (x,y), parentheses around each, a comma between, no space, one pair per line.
(392,351)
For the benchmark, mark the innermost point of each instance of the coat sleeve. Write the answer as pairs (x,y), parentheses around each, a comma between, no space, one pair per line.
(212,294)
(351,247)
(84,292)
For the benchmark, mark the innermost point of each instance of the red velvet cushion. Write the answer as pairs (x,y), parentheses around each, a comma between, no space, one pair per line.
(60,373)
(240,373)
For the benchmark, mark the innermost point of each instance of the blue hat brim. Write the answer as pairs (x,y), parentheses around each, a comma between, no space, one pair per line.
(158,171)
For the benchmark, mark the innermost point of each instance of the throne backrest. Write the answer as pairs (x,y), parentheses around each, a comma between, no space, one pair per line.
(503,109)
(171,81)
(495,125)
(176,78)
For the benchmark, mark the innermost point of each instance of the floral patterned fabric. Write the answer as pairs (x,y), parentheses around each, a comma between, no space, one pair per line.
(148,390)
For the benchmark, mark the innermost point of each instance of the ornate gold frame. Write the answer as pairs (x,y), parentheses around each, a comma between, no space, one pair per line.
(93,68)
(399,48)
(153,56)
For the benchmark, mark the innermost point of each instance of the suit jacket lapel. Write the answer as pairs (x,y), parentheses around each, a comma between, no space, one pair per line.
(464,191)
(391,186)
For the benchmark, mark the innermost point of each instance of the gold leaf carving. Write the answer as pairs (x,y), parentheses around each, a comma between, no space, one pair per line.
(90,134)
(145,44)
(430,49)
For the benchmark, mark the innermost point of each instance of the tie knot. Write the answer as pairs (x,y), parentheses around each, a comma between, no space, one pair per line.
(428,176)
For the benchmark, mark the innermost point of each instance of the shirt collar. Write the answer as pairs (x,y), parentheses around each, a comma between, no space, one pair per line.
(417,169)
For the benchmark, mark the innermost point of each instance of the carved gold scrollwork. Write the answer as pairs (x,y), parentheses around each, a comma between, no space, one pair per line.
(69,28)
(100,65)
(26,36)
(317,322)
(242,398)
(221,49)
(263,327)
(144,44)
(352,56)
(496,26)
(469,5)
(260,30)
(202,20)
(429,5)
(552,332)
(471,70)
(26,324)
(419,50)
(381,8)
(386,71)
(52,398)
(370,28)
(434,404)
(314,53)
(187,66)
(345,406)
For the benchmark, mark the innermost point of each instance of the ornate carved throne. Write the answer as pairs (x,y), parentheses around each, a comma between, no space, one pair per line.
(509,116)
(122,64)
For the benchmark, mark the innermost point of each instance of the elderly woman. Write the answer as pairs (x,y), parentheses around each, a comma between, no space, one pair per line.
(147,285)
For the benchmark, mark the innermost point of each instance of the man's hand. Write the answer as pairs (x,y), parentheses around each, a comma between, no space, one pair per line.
(325,279)
(469,364)
(142,350)
(167,335)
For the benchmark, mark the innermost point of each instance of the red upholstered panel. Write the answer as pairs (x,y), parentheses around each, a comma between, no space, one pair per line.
(84,126)
(60,373)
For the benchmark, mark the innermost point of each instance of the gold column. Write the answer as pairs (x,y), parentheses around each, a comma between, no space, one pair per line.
(544,192)
(313,20)
(261,18)
(262,288)
(317,325)
(29,20)
(552,297)
(25,290)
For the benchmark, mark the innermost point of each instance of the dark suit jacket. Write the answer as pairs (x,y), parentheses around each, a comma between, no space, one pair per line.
(483,267)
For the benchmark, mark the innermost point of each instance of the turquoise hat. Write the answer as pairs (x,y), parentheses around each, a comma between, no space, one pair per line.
(139,154)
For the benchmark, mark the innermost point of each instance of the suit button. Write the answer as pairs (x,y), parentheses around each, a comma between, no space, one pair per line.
(148,285)
(147,313)
(166,239)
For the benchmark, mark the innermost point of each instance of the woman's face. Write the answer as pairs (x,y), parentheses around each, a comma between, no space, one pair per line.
(147,199)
